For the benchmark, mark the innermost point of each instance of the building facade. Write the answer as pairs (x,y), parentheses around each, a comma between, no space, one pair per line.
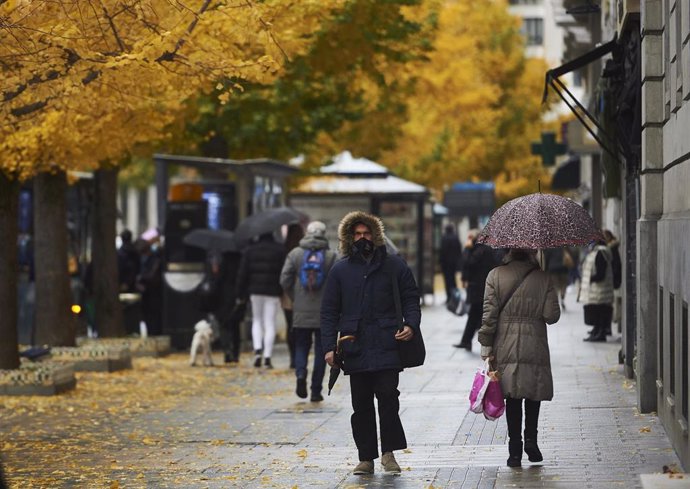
(664,225)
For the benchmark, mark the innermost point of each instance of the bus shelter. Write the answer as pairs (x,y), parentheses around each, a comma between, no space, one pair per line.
(195,192)
(406,208)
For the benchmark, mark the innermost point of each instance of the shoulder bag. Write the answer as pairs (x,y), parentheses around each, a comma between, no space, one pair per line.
(412,352)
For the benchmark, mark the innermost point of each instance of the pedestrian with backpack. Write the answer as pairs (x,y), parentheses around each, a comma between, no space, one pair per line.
(302,279)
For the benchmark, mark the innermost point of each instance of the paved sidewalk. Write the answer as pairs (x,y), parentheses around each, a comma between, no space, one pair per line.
(253,432)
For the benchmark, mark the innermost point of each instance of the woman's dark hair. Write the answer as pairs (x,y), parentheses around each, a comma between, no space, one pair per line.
(295,233)
(521,255)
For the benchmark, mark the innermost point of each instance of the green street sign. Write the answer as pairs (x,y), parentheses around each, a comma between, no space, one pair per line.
(548,148)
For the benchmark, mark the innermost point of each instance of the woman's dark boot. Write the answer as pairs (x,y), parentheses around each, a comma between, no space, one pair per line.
(532,450)
(531,423)
(515,453)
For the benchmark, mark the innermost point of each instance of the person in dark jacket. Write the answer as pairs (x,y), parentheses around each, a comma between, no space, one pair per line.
(229,313)
(304,287)
(450,256)
(259,278)
(128,263)
(150,284)
(358,300)
(478,261)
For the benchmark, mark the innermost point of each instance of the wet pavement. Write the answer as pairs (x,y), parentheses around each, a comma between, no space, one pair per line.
(165,424)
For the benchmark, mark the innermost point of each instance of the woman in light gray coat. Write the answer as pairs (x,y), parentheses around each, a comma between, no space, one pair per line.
(519,301)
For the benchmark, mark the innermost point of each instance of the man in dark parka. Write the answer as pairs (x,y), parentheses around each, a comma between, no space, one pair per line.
(358,300)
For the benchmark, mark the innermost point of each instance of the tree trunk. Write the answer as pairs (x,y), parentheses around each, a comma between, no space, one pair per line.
(55,322)
(109,322)
(9,199)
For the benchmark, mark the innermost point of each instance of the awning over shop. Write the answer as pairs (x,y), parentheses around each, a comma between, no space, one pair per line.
(590,123)
(567,176)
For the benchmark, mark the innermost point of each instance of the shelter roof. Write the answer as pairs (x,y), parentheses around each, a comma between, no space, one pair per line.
(349,175)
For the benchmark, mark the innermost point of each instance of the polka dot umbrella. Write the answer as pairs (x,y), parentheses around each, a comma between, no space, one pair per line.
(539,221)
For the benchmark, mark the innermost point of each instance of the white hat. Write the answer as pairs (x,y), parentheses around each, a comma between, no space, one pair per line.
(316,228)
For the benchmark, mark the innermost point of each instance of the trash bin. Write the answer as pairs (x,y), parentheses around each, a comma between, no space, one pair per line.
(181,302)
(131,311)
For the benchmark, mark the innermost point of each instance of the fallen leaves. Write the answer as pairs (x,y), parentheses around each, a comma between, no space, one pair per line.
(123,418)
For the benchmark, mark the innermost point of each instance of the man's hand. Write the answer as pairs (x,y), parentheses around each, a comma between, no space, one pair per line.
(490,357)
(405,335)
(330,358)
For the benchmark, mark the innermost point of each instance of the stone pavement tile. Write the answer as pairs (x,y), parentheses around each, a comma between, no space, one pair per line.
(261,435)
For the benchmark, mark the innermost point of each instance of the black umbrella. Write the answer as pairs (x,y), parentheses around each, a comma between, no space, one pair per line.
(338,362)
(265,222)
(212,240)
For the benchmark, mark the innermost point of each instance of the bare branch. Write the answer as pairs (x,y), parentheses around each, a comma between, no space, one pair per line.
(71,58)
(170,55)
(111,22)
(28,109)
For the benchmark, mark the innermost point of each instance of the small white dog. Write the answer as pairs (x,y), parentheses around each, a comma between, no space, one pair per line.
(202,341)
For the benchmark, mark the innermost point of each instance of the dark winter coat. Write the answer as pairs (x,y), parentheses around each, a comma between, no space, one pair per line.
(128,267)
(358,300)
(259,272)
(478,262)
(450,254)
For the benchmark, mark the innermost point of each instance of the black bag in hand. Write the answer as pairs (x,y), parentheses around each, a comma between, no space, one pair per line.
(412,352)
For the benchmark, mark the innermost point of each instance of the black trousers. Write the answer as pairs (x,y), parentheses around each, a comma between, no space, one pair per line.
(290,336)
(449,281)
(474,322)
(384,386)
(230,338)
(514,419)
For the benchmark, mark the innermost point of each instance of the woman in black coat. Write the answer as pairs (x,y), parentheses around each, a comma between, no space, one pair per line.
(259,278)
(478,261)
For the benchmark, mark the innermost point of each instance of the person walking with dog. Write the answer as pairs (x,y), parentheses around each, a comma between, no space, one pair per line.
(304,274)
(358,300)
(259,278)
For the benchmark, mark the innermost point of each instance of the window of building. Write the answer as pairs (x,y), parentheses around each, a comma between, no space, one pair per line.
(684,350)
(533,30)
(672,344)
(660,342)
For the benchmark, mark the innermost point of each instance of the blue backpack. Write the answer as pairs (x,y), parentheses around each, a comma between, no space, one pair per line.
(312,275)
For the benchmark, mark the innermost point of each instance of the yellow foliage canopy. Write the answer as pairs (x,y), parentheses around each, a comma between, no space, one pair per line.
(85,82)
(474,110)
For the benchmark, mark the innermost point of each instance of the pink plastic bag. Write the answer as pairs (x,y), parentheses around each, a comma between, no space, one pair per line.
(494,404)
(486,395)
(479,386)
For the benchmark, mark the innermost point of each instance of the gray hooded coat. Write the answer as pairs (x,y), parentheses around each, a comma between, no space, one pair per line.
(306,303)
(518,334)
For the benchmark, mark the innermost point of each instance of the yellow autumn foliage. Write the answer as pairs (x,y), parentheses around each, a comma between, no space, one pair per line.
(84,82)
(473,111)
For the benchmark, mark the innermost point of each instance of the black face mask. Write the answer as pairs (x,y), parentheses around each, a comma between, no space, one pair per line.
(364,246)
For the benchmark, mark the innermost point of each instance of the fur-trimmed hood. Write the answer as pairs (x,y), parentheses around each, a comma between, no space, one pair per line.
(346,230)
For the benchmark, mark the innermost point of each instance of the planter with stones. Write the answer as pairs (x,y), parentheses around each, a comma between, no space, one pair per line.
(45,378)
